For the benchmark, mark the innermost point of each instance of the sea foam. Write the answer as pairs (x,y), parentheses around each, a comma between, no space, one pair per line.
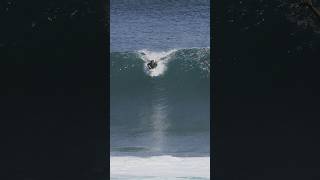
(159,167)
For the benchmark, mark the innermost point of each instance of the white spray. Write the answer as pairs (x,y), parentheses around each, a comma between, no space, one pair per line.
(161,58)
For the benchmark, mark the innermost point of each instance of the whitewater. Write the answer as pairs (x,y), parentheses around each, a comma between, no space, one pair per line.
(160,167)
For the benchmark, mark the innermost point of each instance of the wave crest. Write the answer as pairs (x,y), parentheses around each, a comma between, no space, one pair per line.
(194,60)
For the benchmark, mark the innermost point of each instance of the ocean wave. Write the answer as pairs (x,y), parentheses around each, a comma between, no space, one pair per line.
(165,112)
(182,60)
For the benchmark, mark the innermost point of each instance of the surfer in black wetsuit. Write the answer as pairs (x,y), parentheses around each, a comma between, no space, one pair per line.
(152,64)
(309,4)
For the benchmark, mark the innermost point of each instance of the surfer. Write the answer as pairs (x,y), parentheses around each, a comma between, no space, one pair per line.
(309,4)
(152,64)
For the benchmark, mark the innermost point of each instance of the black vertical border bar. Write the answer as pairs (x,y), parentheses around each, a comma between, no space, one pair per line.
(54,76)
(278,87)
(212,119)
(107,20)
(106,64)
(217,34)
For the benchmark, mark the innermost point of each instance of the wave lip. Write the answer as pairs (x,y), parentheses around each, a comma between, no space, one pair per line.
(123,167)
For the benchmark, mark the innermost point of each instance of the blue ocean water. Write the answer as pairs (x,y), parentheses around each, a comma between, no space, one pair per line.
(162,115)
(159,24)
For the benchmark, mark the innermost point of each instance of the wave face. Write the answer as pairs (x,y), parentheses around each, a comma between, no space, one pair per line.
(164,111)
